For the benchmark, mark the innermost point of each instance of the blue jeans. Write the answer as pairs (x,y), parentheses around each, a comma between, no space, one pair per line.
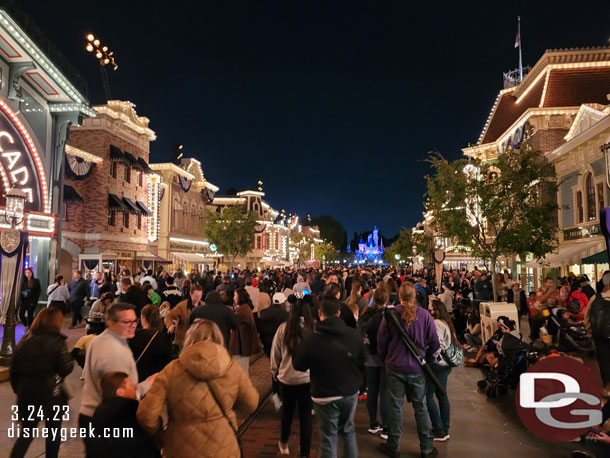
(414,386)
(337,418)
(439,419)
(377,383)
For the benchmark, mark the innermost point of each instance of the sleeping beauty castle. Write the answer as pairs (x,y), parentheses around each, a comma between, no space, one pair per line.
(371,251)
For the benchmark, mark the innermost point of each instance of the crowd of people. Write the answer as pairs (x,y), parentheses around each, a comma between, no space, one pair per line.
(169,355)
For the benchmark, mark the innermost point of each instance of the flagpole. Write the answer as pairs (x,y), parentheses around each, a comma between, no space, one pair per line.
(520,59)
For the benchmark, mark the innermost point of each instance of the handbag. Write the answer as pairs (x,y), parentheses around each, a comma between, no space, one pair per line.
(453,356)
(147,345)
(224,414)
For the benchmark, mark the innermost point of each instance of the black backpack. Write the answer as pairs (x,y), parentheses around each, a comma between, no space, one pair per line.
(600,317)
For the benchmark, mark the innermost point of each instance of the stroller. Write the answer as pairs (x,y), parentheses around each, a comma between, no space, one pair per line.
(506,374)
(568,337)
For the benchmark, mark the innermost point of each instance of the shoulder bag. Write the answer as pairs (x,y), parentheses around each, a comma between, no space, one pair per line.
(224,414)
(453,356)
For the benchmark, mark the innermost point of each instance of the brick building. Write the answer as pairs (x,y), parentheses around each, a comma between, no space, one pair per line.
(185,194)
(540,113)
(110,213)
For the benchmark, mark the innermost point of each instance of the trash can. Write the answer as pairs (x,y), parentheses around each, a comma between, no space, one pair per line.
(490,311)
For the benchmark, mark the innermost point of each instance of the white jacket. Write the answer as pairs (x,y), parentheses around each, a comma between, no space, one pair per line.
(281,361)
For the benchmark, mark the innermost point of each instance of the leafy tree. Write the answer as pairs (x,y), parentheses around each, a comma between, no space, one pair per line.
(331,230)
(496,208)
(326,252)
(232,231)
(302,245)
(403,245)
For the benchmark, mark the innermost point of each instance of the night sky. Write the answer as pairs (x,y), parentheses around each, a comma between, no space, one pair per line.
(332,104)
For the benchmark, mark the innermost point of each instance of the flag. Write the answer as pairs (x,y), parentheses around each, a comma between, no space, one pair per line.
(518,39)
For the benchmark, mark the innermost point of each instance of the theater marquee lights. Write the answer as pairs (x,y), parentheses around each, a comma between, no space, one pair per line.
(20,164)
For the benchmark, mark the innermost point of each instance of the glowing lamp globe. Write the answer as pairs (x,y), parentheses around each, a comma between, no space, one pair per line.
(15,204)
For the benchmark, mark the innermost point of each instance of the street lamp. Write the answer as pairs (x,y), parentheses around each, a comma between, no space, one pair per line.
(11,243)
(104,56)
(15,206)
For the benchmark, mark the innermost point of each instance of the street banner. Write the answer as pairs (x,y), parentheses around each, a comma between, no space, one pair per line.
(13,246)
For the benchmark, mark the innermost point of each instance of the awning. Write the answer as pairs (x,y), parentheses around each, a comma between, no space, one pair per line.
(597,258)
(148,256)
(144,166)
(143,208)
(132,160)
(116,203)
(131,207)
(569,253)
(189,257)
(71,196)
(117,155)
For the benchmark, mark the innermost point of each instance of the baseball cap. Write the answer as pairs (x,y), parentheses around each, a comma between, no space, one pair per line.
(279,298)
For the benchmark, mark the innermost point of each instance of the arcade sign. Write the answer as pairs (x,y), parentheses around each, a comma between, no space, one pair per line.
(20,164)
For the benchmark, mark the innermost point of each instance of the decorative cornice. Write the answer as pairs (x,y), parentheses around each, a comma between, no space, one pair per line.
(104,236)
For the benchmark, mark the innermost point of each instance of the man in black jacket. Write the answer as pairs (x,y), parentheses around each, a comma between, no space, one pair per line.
(214,310)
(270,319)
(79,291)
(334,355)
(171,293)
(118,411)
(131,294)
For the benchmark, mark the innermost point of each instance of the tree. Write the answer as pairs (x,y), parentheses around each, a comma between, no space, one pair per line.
(331,230)
(232,231)
(302,245)
(403,246)
(496,208)
(326,252)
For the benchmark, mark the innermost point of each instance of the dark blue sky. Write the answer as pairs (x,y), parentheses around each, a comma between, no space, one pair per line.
(332,104)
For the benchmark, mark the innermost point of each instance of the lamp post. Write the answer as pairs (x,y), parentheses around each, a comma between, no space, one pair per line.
(104,56)
(10,239)
(414,252)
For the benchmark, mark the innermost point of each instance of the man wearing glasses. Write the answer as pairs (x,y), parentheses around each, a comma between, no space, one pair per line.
(109,352)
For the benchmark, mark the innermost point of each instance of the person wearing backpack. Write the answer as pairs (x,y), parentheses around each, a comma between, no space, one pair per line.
(447,358)
(374,368)
(598,319)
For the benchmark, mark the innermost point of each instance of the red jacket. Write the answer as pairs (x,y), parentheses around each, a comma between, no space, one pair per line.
(583,299)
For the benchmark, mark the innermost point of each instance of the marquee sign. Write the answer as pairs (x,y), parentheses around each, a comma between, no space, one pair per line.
(20,164)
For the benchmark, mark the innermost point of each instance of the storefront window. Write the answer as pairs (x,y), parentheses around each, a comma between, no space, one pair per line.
(601,195)
(579,208)
(590,189)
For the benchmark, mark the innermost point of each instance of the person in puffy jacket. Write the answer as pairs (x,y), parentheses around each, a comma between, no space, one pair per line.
(189,387)
(40,363)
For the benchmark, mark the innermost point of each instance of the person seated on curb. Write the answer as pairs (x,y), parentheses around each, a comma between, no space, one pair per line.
(488,352)
(117,412)
(508,345)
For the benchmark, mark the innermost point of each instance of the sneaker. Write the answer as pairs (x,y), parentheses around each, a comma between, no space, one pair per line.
(362,397)
(441,437)
(431,454)
(375,429)
(283,448)
(385,448)
(384,434)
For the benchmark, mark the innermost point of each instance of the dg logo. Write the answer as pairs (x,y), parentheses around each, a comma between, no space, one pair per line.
(558,399)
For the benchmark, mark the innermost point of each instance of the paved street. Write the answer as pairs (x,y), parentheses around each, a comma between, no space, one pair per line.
(478,426)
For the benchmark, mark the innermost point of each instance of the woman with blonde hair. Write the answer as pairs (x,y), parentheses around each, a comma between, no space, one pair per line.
(405,375)
(200,389)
